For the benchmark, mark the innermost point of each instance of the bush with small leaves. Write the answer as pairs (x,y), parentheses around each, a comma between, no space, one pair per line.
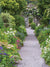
(33,25)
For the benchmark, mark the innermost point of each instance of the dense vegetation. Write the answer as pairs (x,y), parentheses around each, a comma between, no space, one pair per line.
(43,30)
(44,10)
(12,31)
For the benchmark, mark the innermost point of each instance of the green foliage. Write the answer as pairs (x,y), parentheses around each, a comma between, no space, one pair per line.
(46,17)
(9,20)
(8,41)
(48,26)
(43,44)
(7,35)
(42,5)
(30,19)
(42,37)
(10,6)
(1,22)
(21,32)
(38,29)
(46,50)
(20,35)
(47,13)
(44,10)
(7,55)
(43,34)
(36,13)
(33,25)
(13,6)
(19,21)
(22,5)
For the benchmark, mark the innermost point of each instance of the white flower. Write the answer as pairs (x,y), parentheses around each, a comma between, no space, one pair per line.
(45,52)
(8,31)
(10,28)
(45,48)
(49,36)
(38,24)
(47,41)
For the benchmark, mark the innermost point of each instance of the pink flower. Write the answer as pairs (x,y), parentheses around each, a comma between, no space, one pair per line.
(17,41)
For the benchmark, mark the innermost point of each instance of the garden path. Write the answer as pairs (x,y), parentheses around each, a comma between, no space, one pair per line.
(31,52)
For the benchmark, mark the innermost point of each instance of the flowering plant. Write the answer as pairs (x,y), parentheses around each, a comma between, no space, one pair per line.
(8,55)
(46,51)
(8,48)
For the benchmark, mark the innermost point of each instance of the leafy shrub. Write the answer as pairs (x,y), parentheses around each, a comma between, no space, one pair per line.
(46,17)
(38,29)
(9,6)
(44,21)
(33,25)
(43,35)
(1,22)
(41,6)
(22,29)
(30,20)
(48,26)
(14,6)
(19,21)
(8,47)
(9,36)
(43,44)
(46,51)
(9,20)
(21,32)
(5,34)
(8,53)
(20,35)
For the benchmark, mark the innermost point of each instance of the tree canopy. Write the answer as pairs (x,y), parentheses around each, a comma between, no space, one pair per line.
(13,6)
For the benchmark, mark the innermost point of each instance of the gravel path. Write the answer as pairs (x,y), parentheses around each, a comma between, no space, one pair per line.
(31,52)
